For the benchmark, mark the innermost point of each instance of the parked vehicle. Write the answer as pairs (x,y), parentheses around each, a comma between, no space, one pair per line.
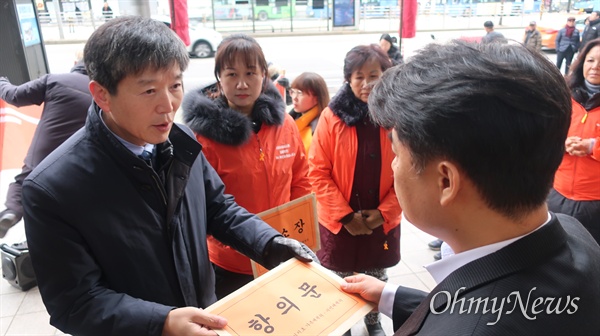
(203,41)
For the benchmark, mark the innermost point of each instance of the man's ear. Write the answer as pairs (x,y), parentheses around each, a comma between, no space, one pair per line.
(449,182)
(101,96)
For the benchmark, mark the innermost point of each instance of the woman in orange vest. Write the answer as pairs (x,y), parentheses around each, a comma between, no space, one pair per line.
(350,171)
(250,141)
(576,189)
(310,97)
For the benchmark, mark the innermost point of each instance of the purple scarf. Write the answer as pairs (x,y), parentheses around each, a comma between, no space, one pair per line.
(570,31)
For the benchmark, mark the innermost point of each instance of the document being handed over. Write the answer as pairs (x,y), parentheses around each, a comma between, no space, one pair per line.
(295,299)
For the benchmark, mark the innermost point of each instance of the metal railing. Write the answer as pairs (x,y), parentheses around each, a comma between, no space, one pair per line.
(371,19)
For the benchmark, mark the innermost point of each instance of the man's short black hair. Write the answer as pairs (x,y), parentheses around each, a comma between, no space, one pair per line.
(130,45)
(498,111)
(488,24)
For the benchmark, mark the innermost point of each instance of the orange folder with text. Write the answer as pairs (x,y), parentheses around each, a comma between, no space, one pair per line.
(297,220)
(295,299)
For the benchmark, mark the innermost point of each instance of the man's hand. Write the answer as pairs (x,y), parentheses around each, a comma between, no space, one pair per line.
(373,218)
(281,249)
(192,321)
(368,287)
(358,226)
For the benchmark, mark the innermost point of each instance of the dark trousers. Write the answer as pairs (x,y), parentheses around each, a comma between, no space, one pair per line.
(227,282)
(586,212)
(566,55)
(13,196)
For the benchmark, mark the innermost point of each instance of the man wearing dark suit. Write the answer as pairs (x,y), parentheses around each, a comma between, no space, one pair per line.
(66,99)
(477,143)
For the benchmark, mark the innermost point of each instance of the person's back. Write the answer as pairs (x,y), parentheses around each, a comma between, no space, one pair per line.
(492,35)
(66,99)
(546,292)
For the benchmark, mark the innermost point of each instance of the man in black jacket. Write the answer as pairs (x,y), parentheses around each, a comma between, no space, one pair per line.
(388,44)
(475,160)
(66,99)
(591,30)
(117,217)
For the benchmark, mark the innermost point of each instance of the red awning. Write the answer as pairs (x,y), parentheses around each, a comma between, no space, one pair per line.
(180,20)
(409,18)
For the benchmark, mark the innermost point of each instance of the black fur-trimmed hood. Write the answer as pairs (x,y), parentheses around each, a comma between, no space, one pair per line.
(347,107)
(214,119)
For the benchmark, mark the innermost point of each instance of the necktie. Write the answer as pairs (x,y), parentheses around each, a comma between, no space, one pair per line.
(147,157)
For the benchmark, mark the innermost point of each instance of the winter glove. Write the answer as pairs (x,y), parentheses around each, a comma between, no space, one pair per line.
(281,249)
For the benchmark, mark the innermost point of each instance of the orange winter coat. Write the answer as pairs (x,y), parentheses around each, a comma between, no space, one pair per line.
(261,170)
(332,158)
(578,178)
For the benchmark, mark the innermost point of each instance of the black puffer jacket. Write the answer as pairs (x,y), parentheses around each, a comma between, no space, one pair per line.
(590,32)
(395,55)
(114,250)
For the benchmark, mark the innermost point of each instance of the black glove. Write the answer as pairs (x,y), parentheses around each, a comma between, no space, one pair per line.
(281,249)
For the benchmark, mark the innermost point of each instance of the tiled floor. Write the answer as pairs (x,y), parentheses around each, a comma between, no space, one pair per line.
(23,313)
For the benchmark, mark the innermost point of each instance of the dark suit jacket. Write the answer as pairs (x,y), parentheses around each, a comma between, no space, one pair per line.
(66,99)
(555,269)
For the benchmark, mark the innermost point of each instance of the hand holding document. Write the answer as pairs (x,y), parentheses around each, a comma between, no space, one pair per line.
(293,299)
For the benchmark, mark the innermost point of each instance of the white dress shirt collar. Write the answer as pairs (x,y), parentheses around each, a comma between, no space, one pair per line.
(450,262)
(135,149)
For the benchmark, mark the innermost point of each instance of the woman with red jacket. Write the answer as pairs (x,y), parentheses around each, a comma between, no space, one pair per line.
(576,189)
(251,142)
(350,171)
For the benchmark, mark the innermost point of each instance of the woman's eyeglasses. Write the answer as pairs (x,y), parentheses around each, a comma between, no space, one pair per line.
(295,93)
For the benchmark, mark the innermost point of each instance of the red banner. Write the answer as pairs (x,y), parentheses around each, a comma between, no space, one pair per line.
(409,18)
(180,20)
(17,126)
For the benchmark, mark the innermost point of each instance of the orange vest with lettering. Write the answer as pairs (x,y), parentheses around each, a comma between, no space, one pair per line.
(268,170)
